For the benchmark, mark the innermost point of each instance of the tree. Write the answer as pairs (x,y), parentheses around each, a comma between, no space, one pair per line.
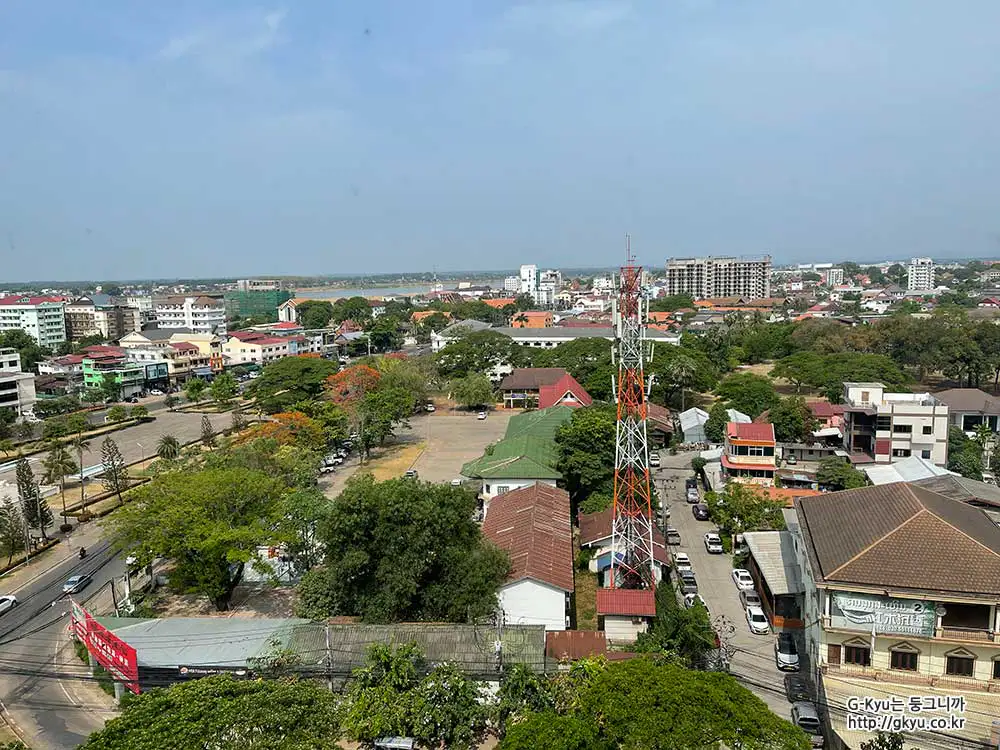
(210,523)
(314,314)
(474,389)
(521,691)
(239,420)
(435,322)
(799,369)
(698,465)
(838,474)
(349,386)
(354,308)
(110,389)
(682,632)
(587,360)
(640,703)
(290,380)
(586,446)
(672,303)
(742,507)
(224,711)
(58,464)
(80,444)
(195,389)
(289,428)
(448,710)
(385,335)
(715,426)
(401,551)
(479,351)
(884,741)
(34,508)
(380,412)
(12,529)
(138,412)
(170,401)
(115,476)
(596,502)
(54,427)
(28,349)
(748,393)
(224,389)
(168,448)
(207,432)
(793,420)
(117,413)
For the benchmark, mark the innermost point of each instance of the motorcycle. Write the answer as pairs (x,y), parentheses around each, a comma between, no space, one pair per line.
(83,552)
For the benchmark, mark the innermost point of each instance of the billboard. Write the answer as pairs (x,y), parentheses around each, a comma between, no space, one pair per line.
(883,615)
(107,649)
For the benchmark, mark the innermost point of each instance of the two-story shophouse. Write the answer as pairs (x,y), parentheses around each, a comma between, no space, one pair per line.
(901,598)
(748,454)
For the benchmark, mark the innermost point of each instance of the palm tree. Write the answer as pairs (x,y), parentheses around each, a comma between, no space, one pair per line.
(682,370)
(58,465)
(80,445)
(169,448)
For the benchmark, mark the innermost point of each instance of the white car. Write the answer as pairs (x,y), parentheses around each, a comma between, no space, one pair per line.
(757,621)
(456,482)
(713,544)
(682,561)
(156,392)
(749,598)
(429,407)
(327,469)
(481,415)
(690,599)
(7,603)
(743,579)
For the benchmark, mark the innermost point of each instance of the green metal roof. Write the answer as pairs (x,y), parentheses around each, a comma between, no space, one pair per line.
(527,452)
(540,423)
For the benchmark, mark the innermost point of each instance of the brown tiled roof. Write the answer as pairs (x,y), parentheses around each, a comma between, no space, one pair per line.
(969,400)
(575,644)
(533,525)
(635,602)
(901,536)
(531,378)
(760,431)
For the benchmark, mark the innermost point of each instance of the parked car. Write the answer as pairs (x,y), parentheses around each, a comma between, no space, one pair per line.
(796,689)
(757,621)
(456,482)
(7,603)
(410,474)
(156,392)
(132,400)
(805,716)
(254,375)
(700,511)
(690,483)
(654,460)
(688,583)
(76,583)
(333,460)
(673,535)
(713,543)
(786,653)
(690,599)
(481,415)
(749,598)
(327,469)
(791,460)
(693,497)
(682,561)
(743,579)
(429,407)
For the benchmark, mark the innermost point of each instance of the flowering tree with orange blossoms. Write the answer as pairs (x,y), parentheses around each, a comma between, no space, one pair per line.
(348,387)
(289,428)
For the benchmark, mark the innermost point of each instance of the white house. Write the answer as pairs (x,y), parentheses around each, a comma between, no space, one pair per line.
(533,525)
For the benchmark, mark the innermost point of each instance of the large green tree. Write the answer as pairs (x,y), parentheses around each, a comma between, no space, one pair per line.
(748,393)
(225,712)
(586,445)
(684,633)
(115,471)
(314,314)
(381,412)
(354,308)
(401,550)
(742,507)
(34,507)
(28,349)
(474,389)
(289,380)
(793,420)
(715,426)
(224,389)
(478,351)
(837,474)
(210,523)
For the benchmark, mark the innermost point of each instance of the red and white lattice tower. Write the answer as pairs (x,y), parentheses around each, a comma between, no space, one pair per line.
(632,528)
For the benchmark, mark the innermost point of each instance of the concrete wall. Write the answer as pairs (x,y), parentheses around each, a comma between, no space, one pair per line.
(529,602)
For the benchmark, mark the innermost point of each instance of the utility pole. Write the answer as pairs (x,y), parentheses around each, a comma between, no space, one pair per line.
(498,621)
(329,658)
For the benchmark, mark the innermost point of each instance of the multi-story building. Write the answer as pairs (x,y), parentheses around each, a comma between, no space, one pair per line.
(101,368)
(252,347)
(259,285)
(174,363)
(749,454)
(709,278)
(10,360)
(17,392)
(42,318)
(85,318)
(512,284)
(834,276)
(532,319)
(255,303)
(920,274)
(529,280)
(900,601)
(201,314)
(63,373)
(889,426)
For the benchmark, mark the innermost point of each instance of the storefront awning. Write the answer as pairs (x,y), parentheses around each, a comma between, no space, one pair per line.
(774,553)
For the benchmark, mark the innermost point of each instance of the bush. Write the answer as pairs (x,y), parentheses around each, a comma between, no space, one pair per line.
(583,558)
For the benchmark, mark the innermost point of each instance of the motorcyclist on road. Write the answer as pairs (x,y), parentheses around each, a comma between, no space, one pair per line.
(83,552)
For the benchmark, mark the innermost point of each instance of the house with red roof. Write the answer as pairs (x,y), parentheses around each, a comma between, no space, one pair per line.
(749,453)
(532,525)
(828,416)
(542,387)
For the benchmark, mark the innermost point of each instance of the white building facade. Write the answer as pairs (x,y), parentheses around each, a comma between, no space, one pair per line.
(199,314)
(891,426)
(920,274)
(42,318)
(710,277)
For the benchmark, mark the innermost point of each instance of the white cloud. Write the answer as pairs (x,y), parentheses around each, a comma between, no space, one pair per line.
(568,17)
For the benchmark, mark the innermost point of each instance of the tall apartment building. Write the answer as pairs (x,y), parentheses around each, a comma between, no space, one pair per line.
(835,277)
(891,426)
(529,280)
(17,389)
(262,303)
(512,284)
(201,314)
(708,278)
(42,318)
(111,322)
(920,274)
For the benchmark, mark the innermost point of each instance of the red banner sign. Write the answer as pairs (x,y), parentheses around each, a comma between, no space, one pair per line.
(107,649)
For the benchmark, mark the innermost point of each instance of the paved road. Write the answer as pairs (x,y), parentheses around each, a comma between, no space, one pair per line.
(43,687)
(754,659)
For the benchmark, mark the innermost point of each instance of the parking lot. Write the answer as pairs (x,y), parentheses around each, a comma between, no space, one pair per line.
(754,658)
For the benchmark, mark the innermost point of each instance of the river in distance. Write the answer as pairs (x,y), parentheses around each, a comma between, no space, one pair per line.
(382,291)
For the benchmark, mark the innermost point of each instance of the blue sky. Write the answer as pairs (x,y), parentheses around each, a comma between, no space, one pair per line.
(145,139)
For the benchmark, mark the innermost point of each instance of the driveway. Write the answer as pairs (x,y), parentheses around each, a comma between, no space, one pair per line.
(754,657)
(451,440)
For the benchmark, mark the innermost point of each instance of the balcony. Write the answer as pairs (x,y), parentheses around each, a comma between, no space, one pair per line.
(953,633)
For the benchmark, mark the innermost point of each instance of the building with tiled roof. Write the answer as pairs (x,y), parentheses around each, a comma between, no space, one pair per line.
(595,535)
(532,525)
(42,318)
(622,614)
(901,596)
(970,407)
(542,387)
(749,453)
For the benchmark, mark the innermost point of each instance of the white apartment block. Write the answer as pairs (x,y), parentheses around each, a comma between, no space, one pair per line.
(140,302)
(711,278)
(42,318)
(17,392)
(603,285)
(834,276)
(920,274)
(10,360)
(891,426)
(200,314)
(529,280)
(512,284)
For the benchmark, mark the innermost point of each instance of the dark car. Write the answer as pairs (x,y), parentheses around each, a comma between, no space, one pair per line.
(796,689)
(700,511)
(690,483)
(688,583)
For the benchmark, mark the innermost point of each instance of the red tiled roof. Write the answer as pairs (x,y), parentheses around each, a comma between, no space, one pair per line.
(183,346)
(286,325)
(825,409)
(552,395)
(762,432)
(18,299)
(532,378)
(634,602)
(69,359)
(533,525)
(571,645)
(597,526)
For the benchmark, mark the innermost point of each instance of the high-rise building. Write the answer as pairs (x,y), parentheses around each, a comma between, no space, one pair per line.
(512,284)
(529,280)
(920,274)
(256,303)
(86,318)
(835,277)
(42,318)
(708,278)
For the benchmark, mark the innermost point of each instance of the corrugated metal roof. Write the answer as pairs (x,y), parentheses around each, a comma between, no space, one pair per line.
(908,469)
(759,431)
(774,553)
(634,602)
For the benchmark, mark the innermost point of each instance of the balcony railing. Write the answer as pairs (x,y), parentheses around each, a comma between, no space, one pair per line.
(967,634)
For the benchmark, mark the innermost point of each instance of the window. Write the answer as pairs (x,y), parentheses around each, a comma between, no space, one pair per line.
(900,452)
(961,666)
(883,423)
(996,669)
(900,658)
(866,396)
(925,453)
(928,429)
(858,655)
(902,429)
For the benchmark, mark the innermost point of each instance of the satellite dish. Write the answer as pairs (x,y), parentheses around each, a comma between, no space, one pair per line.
(940,611)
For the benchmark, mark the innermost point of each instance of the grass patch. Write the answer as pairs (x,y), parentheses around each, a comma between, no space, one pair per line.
(394,462)
(585,599)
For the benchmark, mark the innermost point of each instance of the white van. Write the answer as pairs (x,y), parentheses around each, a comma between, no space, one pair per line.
(805,717)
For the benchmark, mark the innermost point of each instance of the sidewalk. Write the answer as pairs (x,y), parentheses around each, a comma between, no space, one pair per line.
(85,535)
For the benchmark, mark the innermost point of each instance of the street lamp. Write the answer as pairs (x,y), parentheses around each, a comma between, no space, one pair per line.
(142,452)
